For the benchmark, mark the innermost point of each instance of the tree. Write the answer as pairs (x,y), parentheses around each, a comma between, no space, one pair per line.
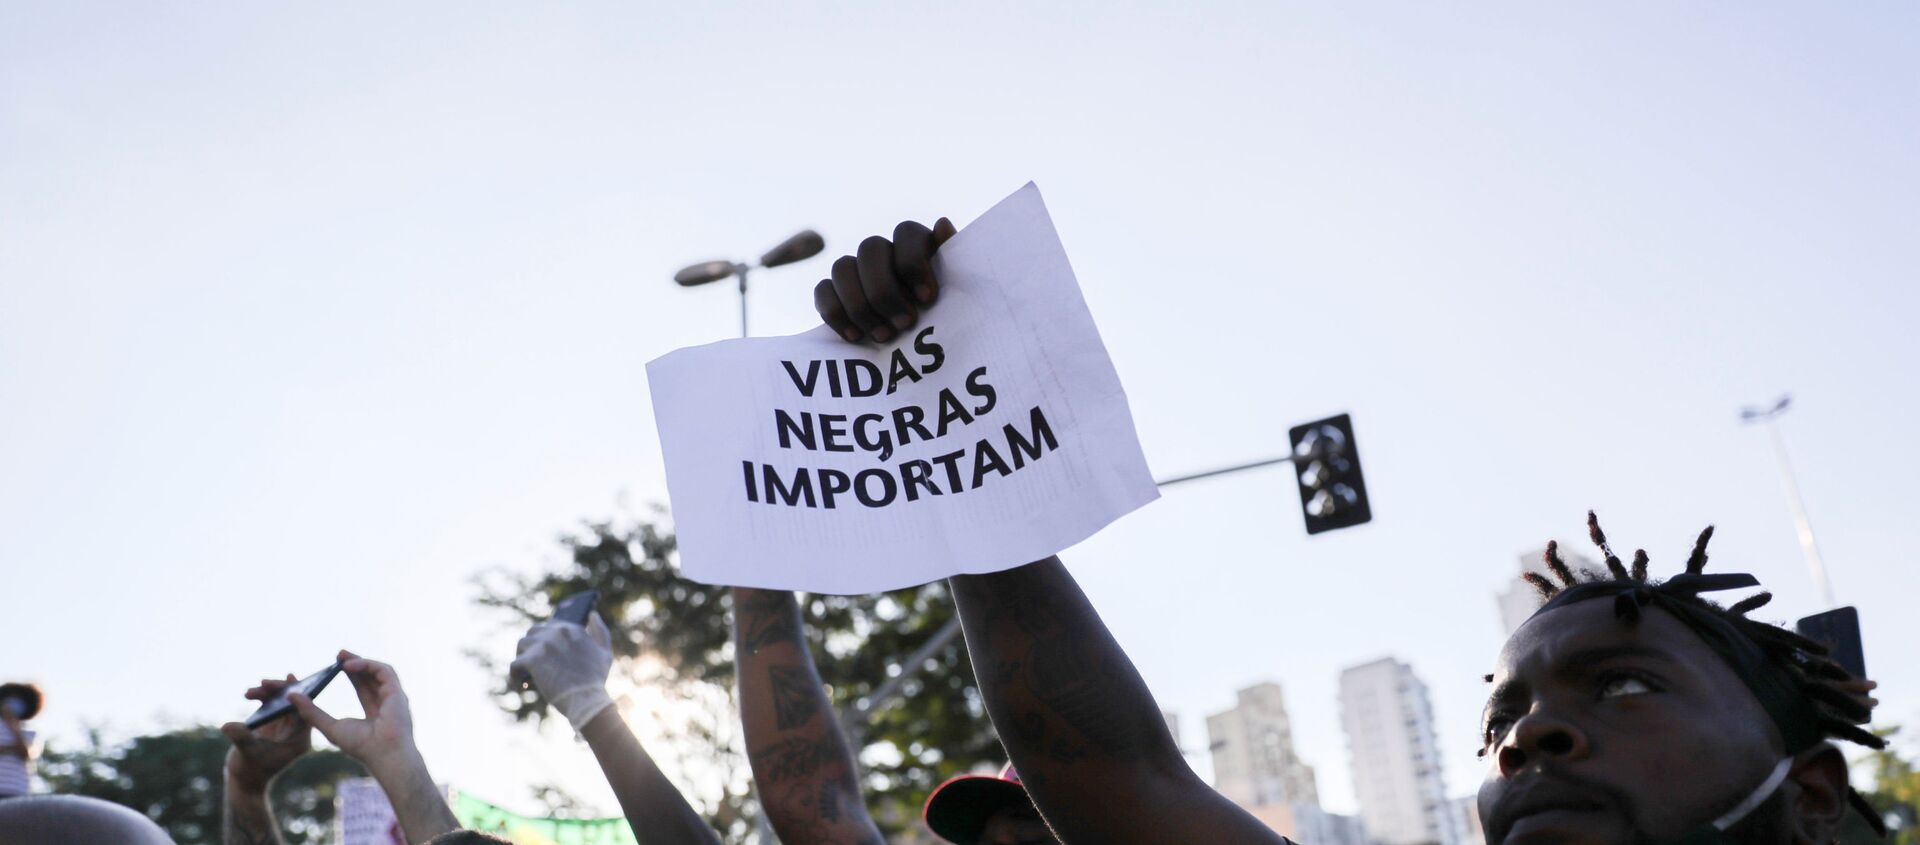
(1896,789)
(674,637)
(175,778)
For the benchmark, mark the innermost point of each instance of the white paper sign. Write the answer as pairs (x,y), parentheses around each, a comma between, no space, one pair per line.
(993,434)
(364,816)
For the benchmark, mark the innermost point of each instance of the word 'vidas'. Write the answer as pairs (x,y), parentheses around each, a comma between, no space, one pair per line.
(855,377)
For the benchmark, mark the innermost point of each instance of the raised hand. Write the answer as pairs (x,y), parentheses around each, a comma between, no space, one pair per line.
(386,729)
(569,665)
(878,292)
(260,753)
(382,740)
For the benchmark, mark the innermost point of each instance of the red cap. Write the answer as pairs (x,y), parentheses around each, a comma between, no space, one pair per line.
(958,810)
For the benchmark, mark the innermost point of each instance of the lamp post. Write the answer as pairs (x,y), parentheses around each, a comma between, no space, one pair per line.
(804,245)
(1770,417)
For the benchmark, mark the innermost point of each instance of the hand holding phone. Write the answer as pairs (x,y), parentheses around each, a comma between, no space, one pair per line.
(266,743)
(573,610)
(569,663)
(277,705)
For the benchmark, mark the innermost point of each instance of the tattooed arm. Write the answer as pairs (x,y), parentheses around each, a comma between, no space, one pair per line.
(1078,721)
(806,775)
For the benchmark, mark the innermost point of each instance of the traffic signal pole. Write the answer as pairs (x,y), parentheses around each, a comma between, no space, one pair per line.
(1166,482)
(854,719)
(1325,446)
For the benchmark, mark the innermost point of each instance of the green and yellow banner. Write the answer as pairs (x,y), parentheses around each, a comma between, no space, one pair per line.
(476,814)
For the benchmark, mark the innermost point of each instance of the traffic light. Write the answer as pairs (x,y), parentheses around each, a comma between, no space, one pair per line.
(1327,467)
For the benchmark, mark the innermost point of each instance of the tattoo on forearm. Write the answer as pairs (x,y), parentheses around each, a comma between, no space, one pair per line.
(831,795)
(796,696)
(766,618)
(821,813)
(789,759)
(1049,649)
(1075,684)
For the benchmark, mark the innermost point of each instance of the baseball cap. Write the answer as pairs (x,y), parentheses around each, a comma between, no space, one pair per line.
(958,810)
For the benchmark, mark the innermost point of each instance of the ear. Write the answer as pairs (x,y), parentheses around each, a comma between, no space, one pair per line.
(1819,797)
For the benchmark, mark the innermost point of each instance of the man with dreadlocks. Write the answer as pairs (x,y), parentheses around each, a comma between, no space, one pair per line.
(1633,710)
(1652,716)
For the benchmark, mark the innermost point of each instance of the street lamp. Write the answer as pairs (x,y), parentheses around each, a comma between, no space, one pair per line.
(804,245)
(1770,417)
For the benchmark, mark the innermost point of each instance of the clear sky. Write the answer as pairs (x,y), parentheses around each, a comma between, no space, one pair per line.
(310,312)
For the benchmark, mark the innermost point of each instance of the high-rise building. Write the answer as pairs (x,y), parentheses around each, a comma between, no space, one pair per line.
(1396,757)
(1519,600)
(1254,765)
(1253,759)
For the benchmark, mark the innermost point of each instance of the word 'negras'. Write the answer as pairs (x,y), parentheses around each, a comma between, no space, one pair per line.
(880,434)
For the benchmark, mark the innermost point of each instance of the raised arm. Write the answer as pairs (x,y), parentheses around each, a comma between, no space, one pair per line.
(569,664)
(257,756)
(655,809)
(382,740)
(807,777)
(1078,721)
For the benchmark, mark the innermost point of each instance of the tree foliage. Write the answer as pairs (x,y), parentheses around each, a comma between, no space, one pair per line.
(1896,789)
(175,778)
(675,637)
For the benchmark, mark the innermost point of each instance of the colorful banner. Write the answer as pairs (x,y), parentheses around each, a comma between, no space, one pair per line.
(476,814)
(365,818)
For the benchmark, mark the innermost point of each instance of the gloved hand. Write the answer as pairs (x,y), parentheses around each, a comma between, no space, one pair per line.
(569,665)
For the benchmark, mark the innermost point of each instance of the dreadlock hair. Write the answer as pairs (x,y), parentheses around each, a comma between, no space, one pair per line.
(1808,663)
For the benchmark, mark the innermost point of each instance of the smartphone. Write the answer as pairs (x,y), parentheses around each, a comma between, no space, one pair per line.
(1839,630)
(277,706)
(573,609)
(577,607)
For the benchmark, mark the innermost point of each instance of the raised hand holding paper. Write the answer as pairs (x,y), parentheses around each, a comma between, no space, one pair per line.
(993,434)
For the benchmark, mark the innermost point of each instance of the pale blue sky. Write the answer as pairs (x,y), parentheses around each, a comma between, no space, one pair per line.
(307,313)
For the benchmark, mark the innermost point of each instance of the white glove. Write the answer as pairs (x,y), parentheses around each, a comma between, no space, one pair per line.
(569,664)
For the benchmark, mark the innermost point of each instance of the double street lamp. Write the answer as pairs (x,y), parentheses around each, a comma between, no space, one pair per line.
(800,247)
(803,245)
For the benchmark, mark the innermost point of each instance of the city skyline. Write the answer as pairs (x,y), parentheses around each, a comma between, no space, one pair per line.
(308,316)
(1256,767)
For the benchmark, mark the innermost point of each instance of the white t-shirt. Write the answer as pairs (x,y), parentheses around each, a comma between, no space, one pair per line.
(13,770)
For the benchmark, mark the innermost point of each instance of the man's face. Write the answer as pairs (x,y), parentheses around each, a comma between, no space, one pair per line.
(1600,731)
(1016,825)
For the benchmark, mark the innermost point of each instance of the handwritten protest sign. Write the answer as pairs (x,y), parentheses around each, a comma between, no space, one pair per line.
(993,434)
